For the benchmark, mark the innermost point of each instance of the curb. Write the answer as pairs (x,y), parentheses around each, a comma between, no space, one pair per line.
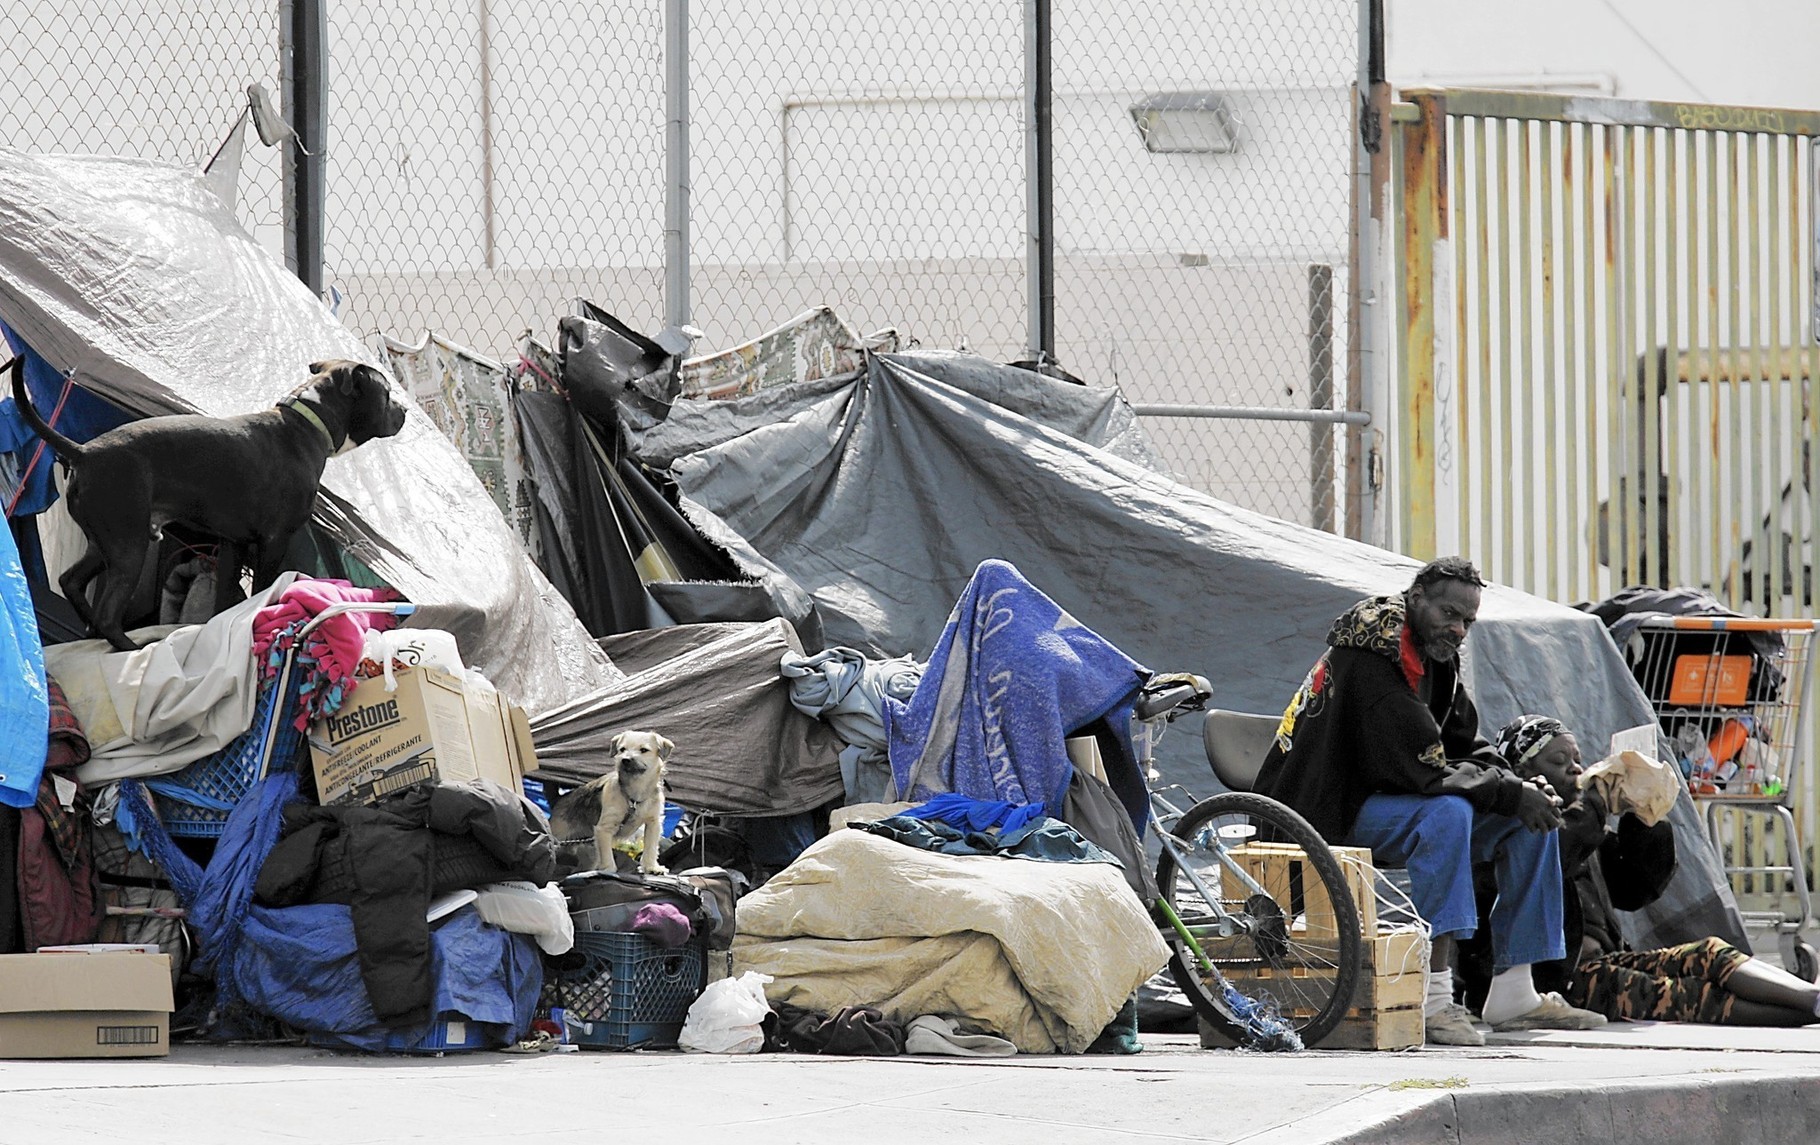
(1755,1108)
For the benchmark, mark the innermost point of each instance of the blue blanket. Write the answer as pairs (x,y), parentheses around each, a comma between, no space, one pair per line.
(1011,676)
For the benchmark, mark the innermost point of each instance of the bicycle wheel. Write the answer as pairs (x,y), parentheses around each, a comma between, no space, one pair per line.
(1295,941)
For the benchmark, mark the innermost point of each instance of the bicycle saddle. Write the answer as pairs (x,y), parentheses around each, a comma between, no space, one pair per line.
(1236,744)
(1167,691)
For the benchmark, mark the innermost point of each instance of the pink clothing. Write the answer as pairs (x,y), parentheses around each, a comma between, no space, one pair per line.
(333,648)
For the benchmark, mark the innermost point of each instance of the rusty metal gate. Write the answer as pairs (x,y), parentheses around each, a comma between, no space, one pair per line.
(1603,345)
(1603,340)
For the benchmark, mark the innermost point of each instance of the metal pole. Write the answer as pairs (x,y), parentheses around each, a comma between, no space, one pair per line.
(1362,301)
(304,54)
(1253,413)
(676,162)
(1039,180)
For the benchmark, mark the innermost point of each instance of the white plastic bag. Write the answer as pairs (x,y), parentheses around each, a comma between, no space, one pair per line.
(728,1017)
(526,908)
(411,648)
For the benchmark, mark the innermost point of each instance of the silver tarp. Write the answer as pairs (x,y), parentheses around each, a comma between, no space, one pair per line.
(880,493)
(135,278)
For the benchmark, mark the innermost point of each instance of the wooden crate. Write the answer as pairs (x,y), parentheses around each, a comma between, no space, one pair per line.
(1396,1029)
(1378,1030)
(1386,1010)
(1278,864)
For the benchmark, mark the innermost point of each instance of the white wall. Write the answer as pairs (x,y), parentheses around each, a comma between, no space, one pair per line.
(1746,52)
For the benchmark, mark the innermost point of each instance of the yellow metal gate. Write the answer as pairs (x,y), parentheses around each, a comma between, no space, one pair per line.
(1603,342)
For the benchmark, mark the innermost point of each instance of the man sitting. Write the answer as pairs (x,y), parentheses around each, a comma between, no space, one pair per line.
(1380,748)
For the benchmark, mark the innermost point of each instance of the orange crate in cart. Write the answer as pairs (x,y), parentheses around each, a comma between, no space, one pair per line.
(1709,680)
(1727,692)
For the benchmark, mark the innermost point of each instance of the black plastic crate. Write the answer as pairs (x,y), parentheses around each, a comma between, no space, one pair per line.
(622,991)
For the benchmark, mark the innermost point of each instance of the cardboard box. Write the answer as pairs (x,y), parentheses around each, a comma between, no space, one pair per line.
(430,728)
(94,1004)
(524,752)
(1084,754)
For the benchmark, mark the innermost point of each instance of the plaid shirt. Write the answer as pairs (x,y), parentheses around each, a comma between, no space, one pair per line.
(68,750)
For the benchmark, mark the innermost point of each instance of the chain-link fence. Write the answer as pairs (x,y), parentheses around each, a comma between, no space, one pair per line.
(1202,158)
(146,79)
(488,162)
(867,157)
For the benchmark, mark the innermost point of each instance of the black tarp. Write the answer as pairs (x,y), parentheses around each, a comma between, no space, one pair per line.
(879,494)
(615,544)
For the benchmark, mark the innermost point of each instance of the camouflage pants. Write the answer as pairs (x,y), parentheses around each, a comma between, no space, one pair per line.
(1675,984)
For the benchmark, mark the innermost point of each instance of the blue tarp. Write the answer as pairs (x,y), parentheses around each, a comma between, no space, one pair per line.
(300,965)
(82,416)
(1011,676)
(25,713)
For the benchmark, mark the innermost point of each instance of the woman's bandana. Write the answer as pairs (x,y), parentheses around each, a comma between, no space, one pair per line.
(1520,740)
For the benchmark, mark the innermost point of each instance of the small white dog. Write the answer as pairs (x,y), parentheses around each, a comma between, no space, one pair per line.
(590,820)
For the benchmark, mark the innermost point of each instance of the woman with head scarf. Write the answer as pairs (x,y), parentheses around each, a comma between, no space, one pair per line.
(1627,867)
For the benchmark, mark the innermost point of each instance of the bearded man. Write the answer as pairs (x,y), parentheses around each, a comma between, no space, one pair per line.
(1380,748)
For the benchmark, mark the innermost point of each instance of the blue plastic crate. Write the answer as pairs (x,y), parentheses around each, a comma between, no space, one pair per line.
(628,992)
(226,776)
(452,1033)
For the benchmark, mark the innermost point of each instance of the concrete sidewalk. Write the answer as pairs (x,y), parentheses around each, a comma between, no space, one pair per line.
(1634,1083)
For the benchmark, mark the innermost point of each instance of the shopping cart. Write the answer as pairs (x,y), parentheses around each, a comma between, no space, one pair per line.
(1728,694)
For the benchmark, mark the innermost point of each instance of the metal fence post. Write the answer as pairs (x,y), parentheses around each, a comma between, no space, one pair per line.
(304,53)
(1363,362)
(1424,225)
(1039,180)
(676,162)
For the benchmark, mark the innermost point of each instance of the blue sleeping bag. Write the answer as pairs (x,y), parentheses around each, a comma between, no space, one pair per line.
(1012,675)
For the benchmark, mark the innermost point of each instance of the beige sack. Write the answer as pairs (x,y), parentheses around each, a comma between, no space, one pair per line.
(1631,781)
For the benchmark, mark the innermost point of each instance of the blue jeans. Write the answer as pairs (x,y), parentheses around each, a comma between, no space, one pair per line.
(1439,838)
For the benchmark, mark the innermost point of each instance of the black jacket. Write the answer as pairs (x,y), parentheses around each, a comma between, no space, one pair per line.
(1374,716)
(387,861)
(1603,870)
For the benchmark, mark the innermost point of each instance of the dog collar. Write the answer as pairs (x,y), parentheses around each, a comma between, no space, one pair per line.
(296,406)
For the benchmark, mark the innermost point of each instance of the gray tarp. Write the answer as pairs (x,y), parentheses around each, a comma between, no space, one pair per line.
(880,494)
(718,693)
(139,280)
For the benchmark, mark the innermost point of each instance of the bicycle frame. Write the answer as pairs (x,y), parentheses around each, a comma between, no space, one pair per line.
(1228,926)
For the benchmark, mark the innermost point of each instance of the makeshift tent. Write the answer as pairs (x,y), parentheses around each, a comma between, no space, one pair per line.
(880,493)
(137,280)
(716,691)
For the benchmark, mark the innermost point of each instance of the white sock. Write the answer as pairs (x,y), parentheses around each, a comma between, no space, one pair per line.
(1512,994)
(1440,991)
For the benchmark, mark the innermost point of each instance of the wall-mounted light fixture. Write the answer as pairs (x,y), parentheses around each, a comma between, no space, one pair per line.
(1192,122)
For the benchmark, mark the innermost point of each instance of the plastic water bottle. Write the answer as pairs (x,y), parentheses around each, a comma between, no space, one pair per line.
(1752,772)
(1697,761)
